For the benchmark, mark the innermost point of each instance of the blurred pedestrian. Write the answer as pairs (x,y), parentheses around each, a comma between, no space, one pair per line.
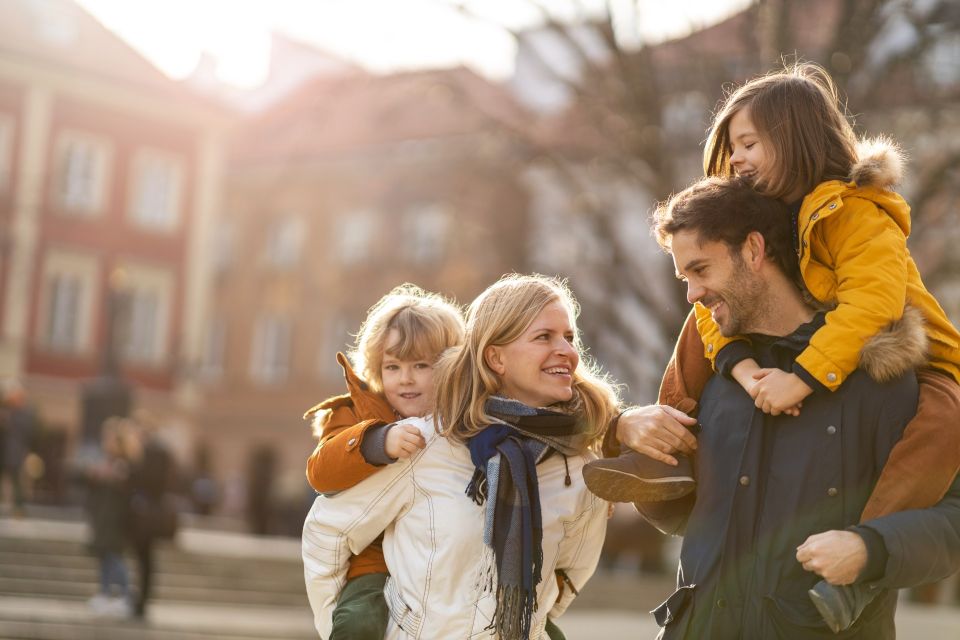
(108,501)
(154,511)
(19,428)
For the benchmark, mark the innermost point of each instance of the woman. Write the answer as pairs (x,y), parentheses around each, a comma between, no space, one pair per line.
(516,416)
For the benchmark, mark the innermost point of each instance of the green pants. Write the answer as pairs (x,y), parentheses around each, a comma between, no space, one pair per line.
(361,612)
(553,631)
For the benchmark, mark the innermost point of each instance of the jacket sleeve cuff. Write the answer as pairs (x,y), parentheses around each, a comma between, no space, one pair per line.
(374,446)
(731,355)
(877,554)
(803,374)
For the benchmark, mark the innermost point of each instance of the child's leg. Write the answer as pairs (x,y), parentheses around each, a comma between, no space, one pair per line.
(922,466)
(361,612)
(553,631)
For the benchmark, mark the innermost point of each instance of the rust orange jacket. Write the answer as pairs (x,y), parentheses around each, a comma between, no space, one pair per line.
(337,463)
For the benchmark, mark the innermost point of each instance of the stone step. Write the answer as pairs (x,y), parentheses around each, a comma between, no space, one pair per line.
(42,619)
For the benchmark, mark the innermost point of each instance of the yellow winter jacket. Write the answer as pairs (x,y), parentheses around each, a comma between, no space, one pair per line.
(853,254)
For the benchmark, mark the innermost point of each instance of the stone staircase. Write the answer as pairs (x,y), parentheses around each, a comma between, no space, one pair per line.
(208,585)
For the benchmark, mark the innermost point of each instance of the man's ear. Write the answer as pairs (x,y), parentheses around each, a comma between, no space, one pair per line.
(754,249)
(492,355)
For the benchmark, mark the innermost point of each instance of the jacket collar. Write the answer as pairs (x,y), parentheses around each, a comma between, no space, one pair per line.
(366,402)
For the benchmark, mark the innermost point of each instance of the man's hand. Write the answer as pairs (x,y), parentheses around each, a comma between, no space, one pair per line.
(403,440)
(836,556)
(777,391)
(657,431)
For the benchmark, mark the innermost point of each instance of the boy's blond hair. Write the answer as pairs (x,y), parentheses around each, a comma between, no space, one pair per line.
(426,325)
(463,379)
(797,114)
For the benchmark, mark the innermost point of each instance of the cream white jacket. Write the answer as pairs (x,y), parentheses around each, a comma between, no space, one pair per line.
(433,542)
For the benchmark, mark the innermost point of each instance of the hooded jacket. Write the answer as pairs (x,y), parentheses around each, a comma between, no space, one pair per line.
(337,463)
(854,257)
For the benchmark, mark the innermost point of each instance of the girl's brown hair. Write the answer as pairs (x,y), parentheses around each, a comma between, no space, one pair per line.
(464,381)
(426,324)
(797,114)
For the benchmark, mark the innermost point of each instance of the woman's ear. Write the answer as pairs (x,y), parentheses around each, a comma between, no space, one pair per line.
(492,355)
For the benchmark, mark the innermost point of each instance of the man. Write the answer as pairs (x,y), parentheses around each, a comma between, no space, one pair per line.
(770,484)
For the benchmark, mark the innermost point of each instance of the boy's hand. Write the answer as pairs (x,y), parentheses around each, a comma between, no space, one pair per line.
(777,391)
(403,440)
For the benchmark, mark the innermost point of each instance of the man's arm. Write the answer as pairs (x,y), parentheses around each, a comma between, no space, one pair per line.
(919,545)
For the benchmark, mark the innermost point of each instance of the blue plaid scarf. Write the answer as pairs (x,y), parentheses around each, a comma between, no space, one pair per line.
(506,455)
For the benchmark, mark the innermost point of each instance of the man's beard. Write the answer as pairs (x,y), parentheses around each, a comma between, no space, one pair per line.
(745,297)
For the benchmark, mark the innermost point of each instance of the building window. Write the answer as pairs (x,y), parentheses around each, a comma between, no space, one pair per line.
(156,186)
(67,301)
(147,296)
(284,241)
(83,163)
(425,231)
(355,237)
(270,354)
(214,350)
(6,152)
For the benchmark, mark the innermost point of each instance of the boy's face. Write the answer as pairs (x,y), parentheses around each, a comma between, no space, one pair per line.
(407,385)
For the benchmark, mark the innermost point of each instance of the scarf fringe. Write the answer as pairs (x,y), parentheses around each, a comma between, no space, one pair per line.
(514,616)
(477,489)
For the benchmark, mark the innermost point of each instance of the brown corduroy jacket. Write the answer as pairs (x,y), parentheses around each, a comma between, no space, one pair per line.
(337,463)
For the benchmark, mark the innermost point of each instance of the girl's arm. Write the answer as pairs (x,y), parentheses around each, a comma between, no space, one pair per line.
(338,463)
(869,256)
(342,525)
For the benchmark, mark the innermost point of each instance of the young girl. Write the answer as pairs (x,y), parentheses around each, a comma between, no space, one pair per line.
(787,132)
(396,348)
(518,412)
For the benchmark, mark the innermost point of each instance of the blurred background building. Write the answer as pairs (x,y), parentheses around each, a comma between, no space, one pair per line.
(239,235)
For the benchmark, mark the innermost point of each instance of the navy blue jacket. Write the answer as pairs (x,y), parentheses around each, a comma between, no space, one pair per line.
(766,483)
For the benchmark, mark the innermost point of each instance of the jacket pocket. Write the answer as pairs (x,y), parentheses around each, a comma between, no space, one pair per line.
(400,612)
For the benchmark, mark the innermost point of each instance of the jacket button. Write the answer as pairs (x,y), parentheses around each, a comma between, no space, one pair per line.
(831,377)
(815,216)
(831,430)
(722,603)
(744,481)
(833,205)
(352,442)
(832,492)
(710,348)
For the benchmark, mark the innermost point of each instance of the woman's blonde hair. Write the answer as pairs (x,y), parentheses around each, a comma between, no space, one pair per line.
(464,381)
(797,114)
(426,324)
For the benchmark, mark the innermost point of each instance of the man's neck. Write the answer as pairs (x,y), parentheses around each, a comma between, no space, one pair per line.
(783,311)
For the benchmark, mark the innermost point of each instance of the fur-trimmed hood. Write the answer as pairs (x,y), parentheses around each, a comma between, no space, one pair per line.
(899,347)
(880,163)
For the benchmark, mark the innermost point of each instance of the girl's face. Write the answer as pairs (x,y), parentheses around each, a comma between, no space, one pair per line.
(537,368)
(407,384)
(748,157)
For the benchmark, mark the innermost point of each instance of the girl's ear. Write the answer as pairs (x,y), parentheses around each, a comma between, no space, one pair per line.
(492,355)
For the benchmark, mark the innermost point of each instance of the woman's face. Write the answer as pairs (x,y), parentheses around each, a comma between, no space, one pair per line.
(537,368)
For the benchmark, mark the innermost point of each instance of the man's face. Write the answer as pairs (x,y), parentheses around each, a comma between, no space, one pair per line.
(719,280)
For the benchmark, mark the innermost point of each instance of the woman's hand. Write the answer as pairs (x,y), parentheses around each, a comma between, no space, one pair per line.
(403,441)
(657,431)
(777,391)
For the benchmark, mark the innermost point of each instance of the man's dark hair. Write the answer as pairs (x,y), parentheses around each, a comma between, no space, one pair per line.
(727,210)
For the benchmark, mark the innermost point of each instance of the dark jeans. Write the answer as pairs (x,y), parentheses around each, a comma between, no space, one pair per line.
(143,550)
(361,612)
